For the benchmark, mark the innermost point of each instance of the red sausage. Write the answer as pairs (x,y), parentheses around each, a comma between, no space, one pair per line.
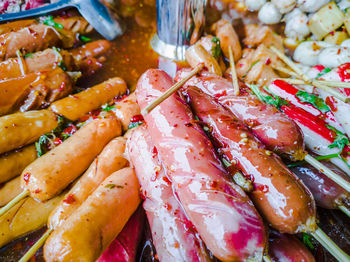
(223,215)
(279,195)
(326,192)
(171,230)
(273,128)
(124,247)
(287,248)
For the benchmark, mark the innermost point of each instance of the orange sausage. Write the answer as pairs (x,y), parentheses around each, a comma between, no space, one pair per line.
(13,163)
(108,161)
(21,129)
(48,175)
(75,106)
(16,25)
(99,220)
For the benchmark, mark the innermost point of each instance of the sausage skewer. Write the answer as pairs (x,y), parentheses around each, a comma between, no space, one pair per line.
(165,215)
(198,185)
(108,161)
(50,174)
(274,183)
(262,119)
(97,222)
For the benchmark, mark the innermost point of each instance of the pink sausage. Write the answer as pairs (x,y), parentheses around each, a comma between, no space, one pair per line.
(274,129)
(171,230)
(220,211)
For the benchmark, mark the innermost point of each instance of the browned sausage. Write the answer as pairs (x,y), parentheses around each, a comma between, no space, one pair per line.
(12,163)
(278,194)
(287,248)
(34,91)
(21,129)
(75,106)
(94,225)
(85,59)
(75,24)
(16,25)
(108,161)
(28,40)
(273,128)
(25,217)
(48,175)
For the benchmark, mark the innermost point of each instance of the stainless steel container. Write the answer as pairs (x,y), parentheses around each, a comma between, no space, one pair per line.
(179,24)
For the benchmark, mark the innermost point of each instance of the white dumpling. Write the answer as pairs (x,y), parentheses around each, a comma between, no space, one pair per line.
(284,6)
(296,25)
(334,56)
(269,14)
(311,6)
(346,43)
(307,52)
(254,5)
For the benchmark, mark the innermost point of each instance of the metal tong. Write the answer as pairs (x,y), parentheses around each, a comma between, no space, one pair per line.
(93,11)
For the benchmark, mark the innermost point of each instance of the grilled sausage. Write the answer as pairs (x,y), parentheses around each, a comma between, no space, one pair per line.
(198,177)
(75,106)
(326,192)
(28,40)
(21,129)
(274,129)
(173,239)
(75,24)
(26,216)
(126,109)
(83,59)
(287,248)
(10,190)
(108,161)
(13,163)
(89,230)
(281,198)
(50,174)
(16,25)
(34,91)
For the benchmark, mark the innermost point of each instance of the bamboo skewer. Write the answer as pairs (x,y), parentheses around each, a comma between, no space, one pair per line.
(329,173)
(37,245)
(345,210)
(301,75)
(13,202)
(331,247)
(171,90)
(233,72)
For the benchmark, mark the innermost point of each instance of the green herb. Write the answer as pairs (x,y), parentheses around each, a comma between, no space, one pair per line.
(226,162)
(41,146)
(340,141)
(317,158)
(216,49)
(110,186)
(324,71)
(28,55)
(62,66)
(134,124)
(85,39)
(307,241)
(251,66)
(317,102)
(107,107)
(272,100)
(50,22)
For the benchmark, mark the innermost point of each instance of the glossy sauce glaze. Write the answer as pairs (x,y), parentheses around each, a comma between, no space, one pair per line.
(198,178)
